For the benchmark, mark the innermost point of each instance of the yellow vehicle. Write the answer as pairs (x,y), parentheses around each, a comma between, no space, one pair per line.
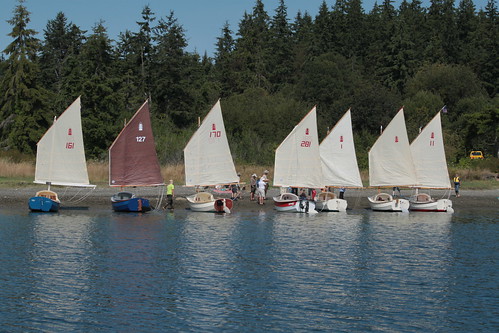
(476,155)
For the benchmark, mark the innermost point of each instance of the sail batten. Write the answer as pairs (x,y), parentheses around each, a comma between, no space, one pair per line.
(428,153)
(132,156)
(207,157)
(297,159)
(60,155)
(338,158)
(390,158)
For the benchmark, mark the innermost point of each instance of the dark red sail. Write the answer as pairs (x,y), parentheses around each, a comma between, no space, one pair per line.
(132,156)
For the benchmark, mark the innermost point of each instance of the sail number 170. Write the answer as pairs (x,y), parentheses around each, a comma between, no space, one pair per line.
(215,134)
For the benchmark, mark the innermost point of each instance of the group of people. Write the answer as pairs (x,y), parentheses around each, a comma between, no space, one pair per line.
(259,187)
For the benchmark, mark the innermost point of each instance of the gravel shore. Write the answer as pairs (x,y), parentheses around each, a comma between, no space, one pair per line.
(100,197)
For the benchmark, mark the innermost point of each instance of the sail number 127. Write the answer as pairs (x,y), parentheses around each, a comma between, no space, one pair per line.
(140,138)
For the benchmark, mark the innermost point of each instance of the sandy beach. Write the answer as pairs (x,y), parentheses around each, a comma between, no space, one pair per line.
(100,197)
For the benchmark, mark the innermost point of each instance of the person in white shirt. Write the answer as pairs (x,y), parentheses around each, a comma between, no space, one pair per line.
(260,191)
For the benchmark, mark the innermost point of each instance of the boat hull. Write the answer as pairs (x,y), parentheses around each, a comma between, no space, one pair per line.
(331,205)
(389,204)
(293,205)
(441,205)
(43,204)
(139,205)
(211,205)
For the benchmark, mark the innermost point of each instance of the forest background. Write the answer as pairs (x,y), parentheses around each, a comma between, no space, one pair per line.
(269,74)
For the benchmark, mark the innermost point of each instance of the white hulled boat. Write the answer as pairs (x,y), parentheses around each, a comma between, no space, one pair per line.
(428,154)
(298,165)
(391,165)
(208,162)
(339,165)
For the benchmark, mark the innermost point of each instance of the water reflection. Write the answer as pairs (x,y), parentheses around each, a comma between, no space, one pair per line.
(59,265)
(247,271)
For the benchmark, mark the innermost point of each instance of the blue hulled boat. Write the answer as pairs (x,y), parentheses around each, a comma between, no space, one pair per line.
(44,201)
(60,159)
(133,162)
(127,202)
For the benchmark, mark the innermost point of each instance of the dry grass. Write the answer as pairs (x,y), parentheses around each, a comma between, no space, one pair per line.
(98,172)
(473,174)
(9,169)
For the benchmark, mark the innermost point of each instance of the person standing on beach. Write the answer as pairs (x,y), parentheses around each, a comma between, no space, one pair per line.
(265,180)
(260,191)
(342,192)
(457,184)
(170,192)
(253,186)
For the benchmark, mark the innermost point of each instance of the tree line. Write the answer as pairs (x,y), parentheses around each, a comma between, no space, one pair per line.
(269,74)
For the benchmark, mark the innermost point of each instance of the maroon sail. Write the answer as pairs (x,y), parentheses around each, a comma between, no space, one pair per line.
(132,156)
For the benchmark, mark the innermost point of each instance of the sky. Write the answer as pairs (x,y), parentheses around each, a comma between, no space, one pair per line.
(202,20)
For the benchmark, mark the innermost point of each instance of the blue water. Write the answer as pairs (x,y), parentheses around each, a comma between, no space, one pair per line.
(249,272)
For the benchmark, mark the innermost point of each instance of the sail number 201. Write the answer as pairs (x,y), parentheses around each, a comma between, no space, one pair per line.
(306,144)
(140,138)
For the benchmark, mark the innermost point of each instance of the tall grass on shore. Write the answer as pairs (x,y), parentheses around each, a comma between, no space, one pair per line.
(23,171)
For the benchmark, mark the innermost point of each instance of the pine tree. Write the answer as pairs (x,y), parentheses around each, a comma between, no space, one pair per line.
(224,72)
(23,103)
(281,50)
(171,71)
(61,45)
(252,49)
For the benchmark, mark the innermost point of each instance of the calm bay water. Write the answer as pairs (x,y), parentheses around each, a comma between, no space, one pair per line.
(249,271)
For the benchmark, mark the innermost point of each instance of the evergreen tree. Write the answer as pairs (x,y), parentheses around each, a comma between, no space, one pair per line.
(61,45)
(224,70)
(281,49)
(486,43)
(323,33)
(252,49)
(466,25)
(22,103)
(102,104)
(171,72)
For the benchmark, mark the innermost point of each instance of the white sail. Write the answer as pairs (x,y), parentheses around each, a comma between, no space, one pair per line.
(339,161)
(60,154)
(390,158)
(297,159)
(207,156)
(428,153)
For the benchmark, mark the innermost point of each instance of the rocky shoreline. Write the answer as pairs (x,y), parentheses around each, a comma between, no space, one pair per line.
(100,197)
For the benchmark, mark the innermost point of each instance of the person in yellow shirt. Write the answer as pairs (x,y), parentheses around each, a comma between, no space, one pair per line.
(170,193)
(457,184)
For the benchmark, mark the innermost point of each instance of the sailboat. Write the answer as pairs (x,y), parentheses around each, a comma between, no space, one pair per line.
(428,153)
(208,162)
(391,165)
(339,165)
(133,162)
(60,159)
(298,165)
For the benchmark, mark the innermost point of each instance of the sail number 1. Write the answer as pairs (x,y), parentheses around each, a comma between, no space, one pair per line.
(140,138)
